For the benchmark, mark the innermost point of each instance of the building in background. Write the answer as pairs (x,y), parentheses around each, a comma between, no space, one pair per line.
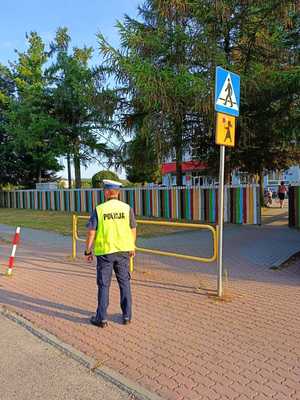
(272,179)
(194,174)
(46,186)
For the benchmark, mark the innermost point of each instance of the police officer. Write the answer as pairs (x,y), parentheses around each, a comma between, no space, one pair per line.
(112,230)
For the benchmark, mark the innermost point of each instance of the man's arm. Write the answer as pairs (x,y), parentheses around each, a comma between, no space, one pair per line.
(90,240)
(133,231)
(132,223)
(134,235)
(92,229)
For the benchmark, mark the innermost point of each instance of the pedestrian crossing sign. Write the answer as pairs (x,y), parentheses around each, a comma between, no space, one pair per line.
(227,92)
(225,130)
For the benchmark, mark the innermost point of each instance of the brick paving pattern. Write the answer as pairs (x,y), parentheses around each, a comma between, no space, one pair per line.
(183,343)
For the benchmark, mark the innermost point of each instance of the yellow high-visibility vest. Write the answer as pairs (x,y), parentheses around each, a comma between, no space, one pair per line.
(113,230)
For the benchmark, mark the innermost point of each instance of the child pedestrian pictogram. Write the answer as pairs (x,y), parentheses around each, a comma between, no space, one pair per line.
(225,130)
(228,127)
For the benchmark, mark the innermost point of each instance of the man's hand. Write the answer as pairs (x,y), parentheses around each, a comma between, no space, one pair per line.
(89,243)
(88,256)
(132,253)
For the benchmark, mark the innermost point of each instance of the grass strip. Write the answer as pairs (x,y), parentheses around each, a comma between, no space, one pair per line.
(61,222)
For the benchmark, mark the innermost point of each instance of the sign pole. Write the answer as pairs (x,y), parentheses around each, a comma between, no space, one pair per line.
(221,219)
(227,105)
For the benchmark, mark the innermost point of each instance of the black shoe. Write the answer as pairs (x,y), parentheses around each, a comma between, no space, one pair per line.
(126,321)
(100,324)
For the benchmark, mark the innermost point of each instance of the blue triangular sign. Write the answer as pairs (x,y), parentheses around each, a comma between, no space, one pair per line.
(227,92)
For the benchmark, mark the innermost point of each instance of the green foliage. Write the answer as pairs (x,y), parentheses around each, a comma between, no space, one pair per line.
(52,103)
(6,156)
(97,179)
(141,162)
(86,183)
(80,103)
(29,131)
(269,66)
(167,64)
(257,40)
(156,65)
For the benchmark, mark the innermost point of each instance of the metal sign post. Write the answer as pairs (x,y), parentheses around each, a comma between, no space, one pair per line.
(221,220)
(227,105)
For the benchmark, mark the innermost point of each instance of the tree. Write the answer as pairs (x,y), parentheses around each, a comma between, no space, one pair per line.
(271,83)
(97,179)
(259,40)
(31,130)
(161,79)
(81,104)
(7,155)
(140,160)
(167,66)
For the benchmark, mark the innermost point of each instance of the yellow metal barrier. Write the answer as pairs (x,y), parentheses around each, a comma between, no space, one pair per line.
(183,225)
(213,230)
(75,237)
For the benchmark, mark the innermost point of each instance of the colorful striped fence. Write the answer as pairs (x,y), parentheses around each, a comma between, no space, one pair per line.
(294,206)
(241,203)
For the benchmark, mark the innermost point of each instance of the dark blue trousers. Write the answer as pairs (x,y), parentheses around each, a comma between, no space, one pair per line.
(119,262)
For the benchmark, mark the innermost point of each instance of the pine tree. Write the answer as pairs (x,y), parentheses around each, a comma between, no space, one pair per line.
(157,70)
(259,40)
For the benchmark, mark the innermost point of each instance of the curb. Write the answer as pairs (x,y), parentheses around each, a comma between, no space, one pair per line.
(285,261)
(126,385)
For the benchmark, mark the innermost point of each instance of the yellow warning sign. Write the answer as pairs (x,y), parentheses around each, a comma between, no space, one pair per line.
(225,134)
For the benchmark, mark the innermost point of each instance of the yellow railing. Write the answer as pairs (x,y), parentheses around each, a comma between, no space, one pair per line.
(183,225)
(75,236)
(212,229)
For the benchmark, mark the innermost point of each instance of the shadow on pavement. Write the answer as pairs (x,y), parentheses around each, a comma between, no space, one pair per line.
(174,287)
(58,310)
(60,271)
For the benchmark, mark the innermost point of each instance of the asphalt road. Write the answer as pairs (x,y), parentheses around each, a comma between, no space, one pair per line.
(33,370)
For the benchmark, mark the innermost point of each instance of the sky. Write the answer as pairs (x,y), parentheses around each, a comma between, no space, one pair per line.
(84,19)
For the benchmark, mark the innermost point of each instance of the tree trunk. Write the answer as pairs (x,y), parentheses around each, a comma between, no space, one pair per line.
(77,171)
(262,189)
(39,176)
(178,171)
(69,171)
(228,178)
(178,150)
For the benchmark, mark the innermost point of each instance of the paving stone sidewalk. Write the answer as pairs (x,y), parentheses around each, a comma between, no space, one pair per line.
(183,343)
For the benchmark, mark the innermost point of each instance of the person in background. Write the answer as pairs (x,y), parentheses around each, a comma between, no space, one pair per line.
(268,197)
(112,230)
(282,190)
